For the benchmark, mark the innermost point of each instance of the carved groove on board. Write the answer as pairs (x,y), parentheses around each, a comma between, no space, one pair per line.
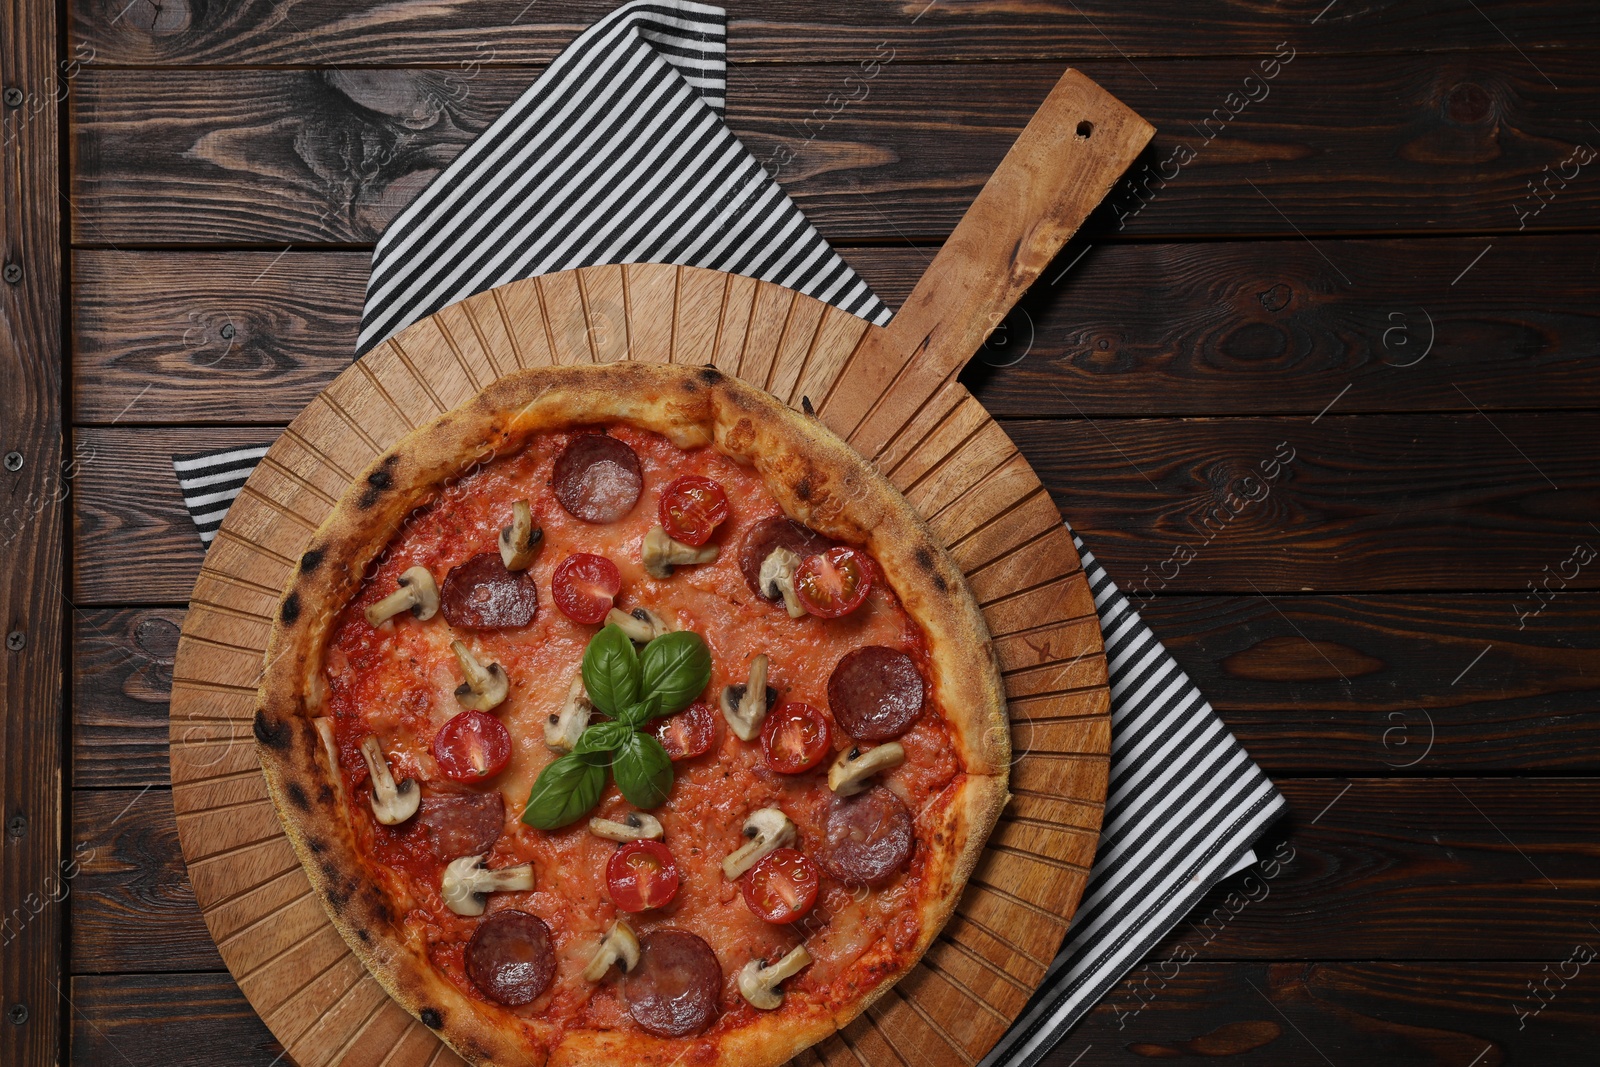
(310,989)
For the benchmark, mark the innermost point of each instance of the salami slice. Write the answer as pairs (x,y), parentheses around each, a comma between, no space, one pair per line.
(875,693)
(597,478)
(677,987)
(462,824)
(481,594)
(867,838)
(511,958)
(776,532)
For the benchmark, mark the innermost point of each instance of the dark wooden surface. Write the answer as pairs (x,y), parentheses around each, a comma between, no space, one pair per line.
(1350,268)
(35,479)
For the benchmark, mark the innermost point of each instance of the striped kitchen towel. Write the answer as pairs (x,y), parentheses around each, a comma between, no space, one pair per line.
(618,154)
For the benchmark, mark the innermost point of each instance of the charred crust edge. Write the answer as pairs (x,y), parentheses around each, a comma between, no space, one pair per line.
(270,732)
(311,560)
(431,1018)
(291,609)
(378,482)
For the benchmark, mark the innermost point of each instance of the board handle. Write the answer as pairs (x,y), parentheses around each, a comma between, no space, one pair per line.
(1072,151)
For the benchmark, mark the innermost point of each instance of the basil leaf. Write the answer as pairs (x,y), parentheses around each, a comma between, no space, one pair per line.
(611,670)
(643,771)
(636,715)
(602,737)
(675,668)
(565,792)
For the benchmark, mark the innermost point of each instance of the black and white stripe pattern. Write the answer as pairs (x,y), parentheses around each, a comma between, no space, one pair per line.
(1184,804)
(210,481)
(617,154)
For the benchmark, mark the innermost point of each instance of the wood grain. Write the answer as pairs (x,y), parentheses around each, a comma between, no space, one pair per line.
(270,930)
(35,476)
(1131,329)
(1402,684)
(121,683)
(470,36)
(1380,145)
(180,1020)
(1419,1013)
(1368,504)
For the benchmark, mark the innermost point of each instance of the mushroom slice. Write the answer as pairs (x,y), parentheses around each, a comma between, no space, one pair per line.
(758,983)
(466,881)
(855,765)
(634,826)
(777,579)
(520,540)
(563,728)
(485,687)
(417,594)
(746,705)
(619,947)
(392,804)
(766,829)
(641,625)
(330,748)
(662,553)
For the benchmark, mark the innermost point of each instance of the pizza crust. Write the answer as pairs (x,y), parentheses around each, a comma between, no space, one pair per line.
(816,478)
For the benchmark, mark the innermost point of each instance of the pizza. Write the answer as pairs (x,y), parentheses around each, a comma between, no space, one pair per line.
(625,715)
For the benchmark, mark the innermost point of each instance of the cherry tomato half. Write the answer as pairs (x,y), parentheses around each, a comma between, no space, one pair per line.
(472,746)
(795,738)
(584,586)
(642,875)
(689,733)
(833,583)
(692,508)
(782,887)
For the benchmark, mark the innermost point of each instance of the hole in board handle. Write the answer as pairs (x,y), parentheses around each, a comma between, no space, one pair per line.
(1085,128)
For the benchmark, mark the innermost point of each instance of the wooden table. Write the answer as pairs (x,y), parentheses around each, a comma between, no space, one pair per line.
(1319,384)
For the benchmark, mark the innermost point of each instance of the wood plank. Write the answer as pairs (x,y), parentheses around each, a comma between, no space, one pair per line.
(1360,503)
(1440,1014)
(1376,144)
(121,684)
(37,477)
(1253,326)
(127,496)
(224,337)
(370,32)
(1131,329)
(1398,869)
(133,908)
(178,1020)
(1308,1015)
(1395,684)
(1365,503)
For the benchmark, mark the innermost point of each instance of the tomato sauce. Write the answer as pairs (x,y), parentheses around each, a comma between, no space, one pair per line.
(398,680)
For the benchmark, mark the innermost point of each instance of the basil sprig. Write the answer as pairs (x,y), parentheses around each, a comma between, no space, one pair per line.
(632,689)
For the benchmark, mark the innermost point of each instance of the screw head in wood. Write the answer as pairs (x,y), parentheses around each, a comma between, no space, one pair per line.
(18,1014)
(15,640)
(13,96)
(227,331)
(13,461)
(17,826)
(13,273)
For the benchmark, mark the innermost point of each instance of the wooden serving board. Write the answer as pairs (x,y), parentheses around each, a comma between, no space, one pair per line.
(892,392)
